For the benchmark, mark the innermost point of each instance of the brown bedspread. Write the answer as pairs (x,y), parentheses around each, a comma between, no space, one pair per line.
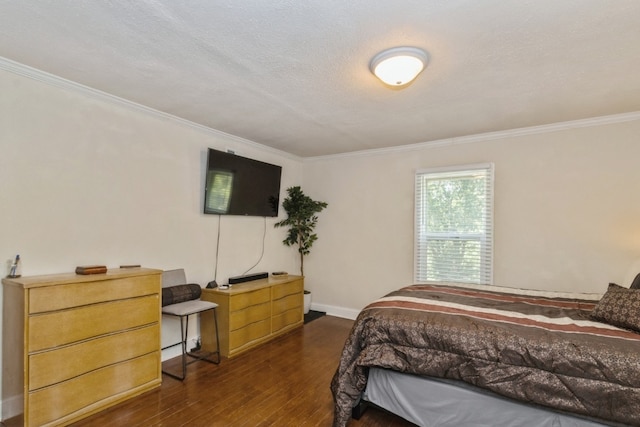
(535,348)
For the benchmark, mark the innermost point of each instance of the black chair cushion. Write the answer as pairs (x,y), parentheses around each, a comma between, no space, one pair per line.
(180,293)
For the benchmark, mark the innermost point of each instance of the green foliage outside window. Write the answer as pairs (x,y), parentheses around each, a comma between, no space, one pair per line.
(453,221)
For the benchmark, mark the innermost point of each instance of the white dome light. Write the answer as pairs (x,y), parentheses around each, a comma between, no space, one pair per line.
(399,65)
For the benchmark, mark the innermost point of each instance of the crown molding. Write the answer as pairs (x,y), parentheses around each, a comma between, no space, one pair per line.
(53,80)
(532,130)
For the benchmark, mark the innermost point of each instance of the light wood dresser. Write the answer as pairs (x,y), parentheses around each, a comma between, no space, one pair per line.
(74,345)
(252,313)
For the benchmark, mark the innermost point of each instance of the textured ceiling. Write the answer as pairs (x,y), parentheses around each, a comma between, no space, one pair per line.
(294,75)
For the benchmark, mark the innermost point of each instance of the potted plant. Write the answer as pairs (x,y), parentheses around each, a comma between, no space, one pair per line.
(301,220)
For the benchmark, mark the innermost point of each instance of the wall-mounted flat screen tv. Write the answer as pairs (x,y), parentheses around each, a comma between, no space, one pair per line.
(237,185)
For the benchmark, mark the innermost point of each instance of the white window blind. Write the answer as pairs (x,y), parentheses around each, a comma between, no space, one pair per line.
(454,225)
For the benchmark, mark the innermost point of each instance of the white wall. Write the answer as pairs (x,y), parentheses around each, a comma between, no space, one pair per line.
(86,180)
(567,213)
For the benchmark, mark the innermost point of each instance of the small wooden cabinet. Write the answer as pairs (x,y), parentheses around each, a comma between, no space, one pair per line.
(252,313)
(76,344)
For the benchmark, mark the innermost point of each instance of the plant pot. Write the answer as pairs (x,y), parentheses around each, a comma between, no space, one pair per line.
(307,301)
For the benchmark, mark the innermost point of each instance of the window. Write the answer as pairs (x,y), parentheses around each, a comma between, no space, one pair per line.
(454,225)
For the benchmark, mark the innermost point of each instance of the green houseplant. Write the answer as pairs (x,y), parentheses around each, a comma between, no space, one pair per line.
(301,220)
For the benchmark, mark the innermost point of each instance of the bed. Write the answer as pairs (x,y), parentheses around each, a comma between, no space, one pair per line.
(575,358)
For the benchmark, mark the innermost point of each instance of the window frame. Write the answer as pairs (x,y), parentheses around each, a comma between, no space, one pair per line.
(422,237)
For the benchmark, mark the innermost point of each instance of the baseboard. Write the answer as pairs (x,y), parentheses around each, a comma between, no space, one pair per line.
(332,310)
(12,407)
(176,351)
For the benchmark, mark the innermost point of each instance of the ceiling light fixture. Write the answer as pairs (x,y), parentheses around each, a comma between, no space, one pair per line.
(398,66)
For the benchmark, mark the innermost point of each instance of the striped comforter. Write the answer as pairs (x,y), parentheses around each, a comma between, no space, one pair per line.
(532,346)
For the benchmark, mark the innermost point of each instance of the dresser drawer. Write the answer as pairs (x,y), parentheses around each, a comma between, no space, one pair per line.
(247,299)
(54,403)
(68,326)
(289,288)
(287,303)
(245,313)
(241,318)
(51,367)
(49,298)
(288,318)
(249,333)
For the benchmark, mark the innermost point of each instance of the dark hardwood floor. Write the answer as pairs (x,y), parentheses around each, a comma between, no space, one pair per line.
(282,383)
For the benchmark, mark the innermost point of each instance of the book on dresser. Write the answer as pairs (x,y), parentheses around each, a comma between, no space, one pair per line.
(252,313)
